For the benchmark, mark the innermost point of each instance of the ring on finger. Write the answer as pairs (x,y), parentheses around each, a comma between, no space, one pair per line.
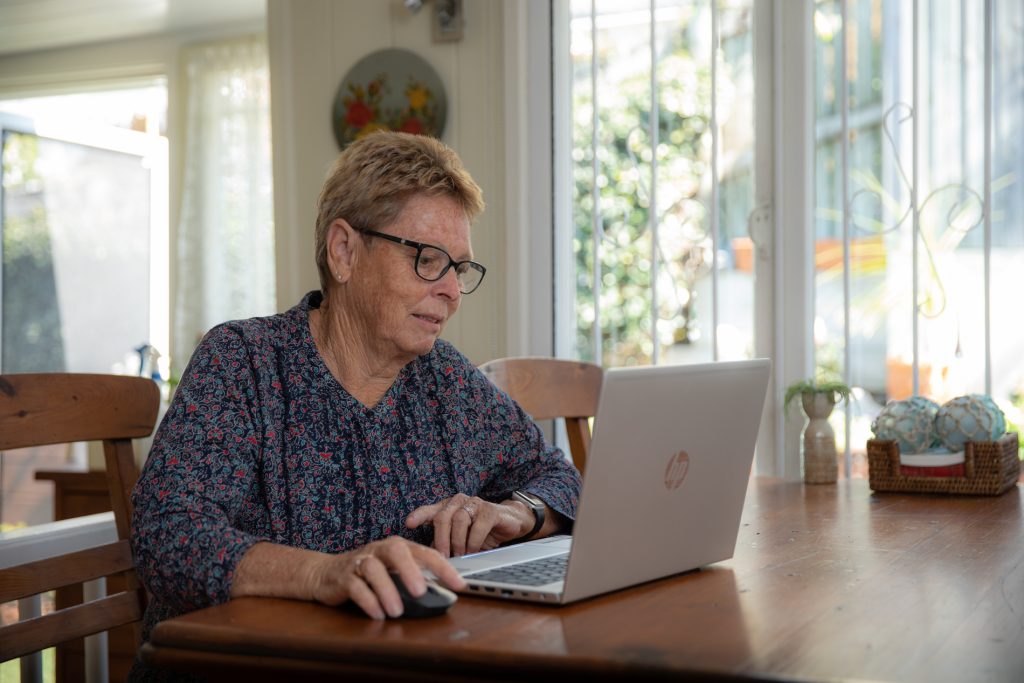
(358,570)
(470,510)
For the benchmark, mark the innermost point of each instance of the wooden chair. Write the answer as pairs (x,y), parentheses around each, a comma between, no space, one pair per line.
(548,388)
(41,409)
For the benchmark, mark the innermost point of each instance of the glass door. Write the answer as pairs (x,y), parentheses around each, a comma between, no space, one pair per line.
(83,268)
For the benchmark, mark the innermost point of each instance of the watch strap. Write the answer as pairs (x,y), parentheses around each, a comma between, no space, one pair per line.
(537,505)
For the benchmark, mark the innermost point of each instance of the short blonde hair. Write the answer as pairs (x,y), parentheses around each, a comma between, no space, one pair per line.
(374,177)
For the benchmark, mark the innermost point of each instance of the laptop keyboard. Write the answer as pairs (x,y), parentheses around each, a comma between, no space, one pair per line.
(532,573)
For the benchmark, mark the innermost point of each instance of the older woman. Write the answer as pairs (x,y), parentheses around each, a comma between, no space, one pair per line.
(307,454)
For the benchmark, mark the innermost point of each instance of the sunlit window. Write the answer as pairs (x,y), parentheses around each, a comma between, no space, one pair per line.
(662,264)
(83,272)
(914,194)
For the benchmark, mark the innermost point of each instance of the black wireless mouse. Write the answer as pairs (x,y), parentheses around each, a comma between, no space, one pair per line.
(435,602)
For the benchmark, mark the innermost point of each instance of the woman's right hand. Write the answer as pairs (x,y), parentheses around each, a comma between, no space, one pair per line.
(362,575)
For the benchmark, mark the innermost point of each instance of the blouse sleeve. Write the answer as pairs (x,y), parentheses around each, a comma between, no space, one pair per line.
(514,451)
(201,467)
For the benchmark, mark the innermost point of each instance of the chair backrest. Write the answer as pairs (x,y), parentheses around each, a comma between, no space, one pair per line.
(41,409)
(548,388)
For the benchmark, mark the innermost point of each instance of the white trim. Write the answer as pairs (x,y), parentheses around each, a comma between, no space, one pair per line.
(596,229)
(24,85)
(652,215)
(794,216)
(987,189)
(561,107)
(915,179)
(528,191)
(44,541)
(844,157)
(762,229)
(713,210)
(291,244)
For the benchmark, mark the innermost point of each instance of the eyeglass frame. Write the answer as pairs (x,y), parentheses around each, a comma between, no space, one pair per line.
(419,247)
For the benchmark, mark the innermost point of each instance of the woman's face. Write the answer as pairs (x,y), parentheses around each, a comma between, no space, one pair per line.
(404,313)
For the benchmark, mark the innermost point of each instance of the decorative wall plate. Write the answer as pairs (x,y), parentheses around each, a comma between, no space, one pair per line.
(389,89)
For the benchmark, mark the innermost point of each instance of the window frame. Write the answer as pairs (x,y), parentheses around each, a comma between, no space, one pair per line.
(153,151)
(537,205)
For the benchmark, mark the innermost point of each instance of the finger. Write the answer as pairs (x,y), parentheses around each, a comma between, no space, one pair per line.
(398,554)
(374,574)
(361,594)
(442,530)
(479,532)
(462,520)
(436,563)
(422,515)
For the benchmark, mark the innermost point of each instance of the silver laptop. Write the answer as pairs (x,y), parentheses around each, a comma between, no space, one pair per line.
(663,490)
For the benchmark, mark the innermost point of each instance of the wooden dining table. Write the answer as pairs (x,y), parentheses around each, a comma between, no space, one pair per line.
(828,582)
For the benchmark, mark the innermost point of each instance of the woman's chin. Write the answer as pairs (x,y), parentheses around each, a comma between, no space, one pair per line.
(420,347)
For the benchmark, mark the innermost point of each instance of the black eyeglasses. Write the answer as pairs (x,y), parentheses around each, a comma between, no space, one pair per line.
(432,263)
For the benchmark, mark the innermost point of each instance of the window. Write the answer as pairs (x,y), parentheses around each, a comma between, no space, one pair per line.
(662,152)
(888,218)
(224,240)
(928,147)
(83,272)
(83,217)
(87,259)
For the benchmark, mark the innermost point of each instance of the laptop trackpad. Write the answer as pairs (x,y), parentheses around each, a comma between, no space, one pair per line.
(523,552)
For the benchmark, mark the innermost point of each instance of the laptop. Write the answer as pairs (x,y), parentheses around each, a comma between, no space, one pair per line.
(663,491)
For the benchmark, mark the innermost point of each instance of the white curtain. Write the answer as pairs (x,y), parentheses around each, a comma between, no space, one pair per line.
(225,238)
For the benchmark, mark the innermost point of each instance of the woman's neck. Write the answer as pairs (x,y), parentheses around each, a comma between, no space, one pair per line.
(353,360)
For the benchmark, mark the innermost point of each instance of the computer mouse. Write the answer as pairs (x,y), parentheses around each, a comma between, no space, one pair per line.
(435,602)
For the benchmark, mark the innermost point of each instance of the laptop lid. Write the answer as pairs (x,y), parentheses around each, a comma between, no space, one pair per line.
(667,473)
(665,482)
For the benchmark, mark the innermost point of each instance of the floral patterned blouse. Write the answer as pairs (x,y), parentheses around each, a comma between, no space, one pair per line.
(261,443)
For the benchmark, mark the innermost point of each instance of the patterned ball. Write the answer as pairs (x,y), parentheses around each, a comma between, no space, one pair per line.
(974,417)
(910,423)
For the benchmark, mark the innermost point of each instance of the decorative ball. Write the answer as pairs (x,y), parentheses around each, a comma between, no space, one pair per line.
(974,417)
(910,423)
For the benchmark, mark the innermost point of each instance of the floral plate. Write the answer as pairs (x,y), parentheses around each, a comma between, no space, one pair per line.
(389,89)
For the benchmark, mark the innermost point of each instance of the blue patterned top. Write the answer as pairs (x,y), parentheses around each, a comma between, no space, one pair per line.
(261,443)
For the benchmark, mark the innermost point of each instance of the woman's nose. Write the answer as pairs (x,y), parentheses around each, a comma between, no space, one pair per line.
(448,285)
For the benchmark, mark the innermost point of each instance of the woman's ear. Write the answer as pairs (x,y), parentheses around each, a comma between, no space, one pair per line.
(341,238)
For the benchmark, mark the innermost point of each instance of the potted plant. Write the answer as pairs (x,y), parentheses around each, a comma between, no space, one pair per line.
(835,391)
(818,399)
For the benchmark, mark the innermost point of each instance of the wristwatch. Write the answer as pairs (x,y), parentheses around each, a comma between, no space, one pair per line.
(537,505)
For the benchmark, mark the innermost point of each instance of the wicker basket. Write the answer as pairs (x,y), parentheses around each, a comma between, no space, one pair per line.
(990,468)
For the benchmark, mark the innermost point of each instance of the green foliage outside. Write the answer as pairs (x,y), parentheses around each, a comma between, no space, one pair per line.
(10,671)
(1017,399)
(32,328)
(623,178)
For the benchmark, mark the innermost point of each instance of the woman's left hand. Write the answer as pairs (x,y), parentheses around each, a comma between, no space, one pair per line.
(467,524)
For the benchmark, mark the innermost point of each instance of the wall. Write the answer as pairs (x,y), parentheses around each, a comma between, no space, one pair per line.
(312,46)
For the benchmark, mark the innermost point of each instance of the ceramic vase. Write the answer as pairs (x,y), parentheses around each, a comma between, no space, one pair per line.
(820,457)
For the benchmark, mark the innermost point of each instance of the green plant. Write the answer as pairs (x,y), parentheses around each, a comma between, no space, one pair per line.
(838,390)
(1012,424)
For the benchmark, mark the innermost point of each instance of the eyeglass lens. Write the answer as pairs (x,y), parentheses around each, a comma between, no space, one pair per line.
(432,263)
